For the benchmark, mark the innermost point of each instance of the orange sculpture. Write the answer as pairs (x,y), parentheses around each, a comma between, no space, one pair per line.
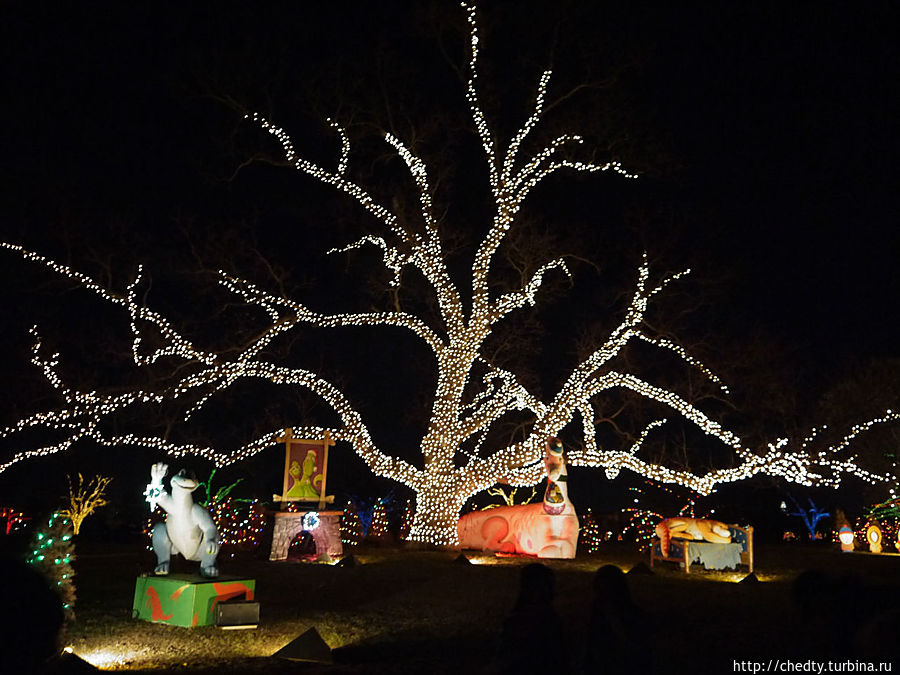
(546,530)
(692,529)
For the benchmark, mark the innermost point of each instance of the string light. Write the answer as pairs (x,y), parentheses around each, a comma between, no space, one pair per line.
(15,520)
(642,521)
(459,417)
(589,535)
(239,522)
(378,526)
(351,527)
(52,553)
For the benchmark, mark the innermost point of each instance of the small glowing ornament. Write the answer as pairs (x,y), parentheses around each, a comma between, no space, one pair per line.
(845,534)
(311,521)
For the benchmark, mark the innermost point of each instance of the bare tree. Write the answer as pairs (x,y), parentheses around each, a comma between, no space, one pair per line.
(472,394)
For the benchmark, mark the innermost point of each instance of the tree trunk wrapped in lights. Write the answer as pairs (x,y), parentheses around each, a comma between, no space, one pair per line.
(466,316)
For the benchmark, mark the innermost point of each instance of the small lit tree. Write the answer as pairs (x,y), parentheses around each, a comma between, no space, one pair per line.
(590,536)
(351,527)
(84,499)
(378,526)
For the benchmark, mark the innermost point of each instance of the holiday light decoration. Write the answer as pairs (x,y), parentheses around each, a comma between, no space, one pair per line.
(52,553)
(642,520)
(510,498)
(881,521)
(311,521)
(873,538)
(406,518)
(351,527)
(240,523)
(449,473)
(15,520)
(846,536)
(378,526)
(84,499)
(810,516)
(589,536)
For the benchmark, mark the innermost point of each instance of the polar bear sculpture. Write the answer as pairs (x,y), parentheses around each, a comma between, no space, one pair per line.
(188,529)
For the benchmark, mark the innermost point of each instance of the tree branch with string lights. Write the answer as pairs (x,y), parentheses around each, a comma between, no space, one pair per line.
(471,393)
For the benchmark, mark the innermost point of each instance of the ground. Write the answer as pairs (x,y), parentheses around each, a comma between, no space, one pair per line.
(424,611)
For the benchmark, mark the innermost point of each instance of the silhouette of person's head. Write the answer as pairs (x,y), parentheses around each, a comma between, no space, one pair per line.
(611,586)
(31,627)
(536,585)
(811,587)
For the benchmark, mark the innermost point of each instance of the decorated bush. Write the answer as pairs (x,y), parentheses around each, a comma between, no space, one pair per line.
(51,553)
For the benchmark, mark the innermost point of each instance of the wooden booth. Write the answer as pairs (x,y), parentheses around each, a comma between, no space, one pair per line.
(305,477)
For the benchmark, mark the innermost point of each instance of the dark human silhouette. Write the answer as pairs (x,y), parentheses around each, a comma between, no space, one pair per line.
(876,639)
(618,638)
(533,639)
(32,619)
(829,614)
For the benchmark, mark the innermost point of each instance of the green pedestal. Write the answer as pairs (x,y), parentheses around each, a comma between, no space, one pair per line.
(186,599)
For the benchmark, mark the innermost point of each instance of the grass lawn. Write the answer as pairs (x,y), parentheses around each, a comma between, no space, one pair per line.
(420,611)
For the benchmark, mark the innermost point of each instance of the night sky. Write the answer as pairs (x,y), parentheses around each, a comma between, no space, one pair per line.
(765,134)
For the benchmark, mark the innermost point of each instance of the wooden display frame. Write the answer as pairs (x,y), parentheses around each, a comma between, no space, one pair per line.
(296,450)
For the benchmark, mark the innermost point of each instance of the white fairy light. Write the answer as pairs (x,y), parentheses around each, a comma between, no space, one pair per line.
(459,418)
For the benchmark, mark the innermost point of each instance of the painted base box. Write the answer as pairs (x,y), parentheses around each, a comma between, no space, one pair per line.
(186,599)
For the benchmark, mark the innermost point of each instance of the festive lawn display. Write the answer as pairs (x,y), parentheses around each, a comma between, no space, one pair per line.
(52,553)
(713,544)
(589,537)
(186,600)
(239,522)
(810,516)
(323,528)
(351,527)
(12,519)
(188,529)
(643,519)
(692,529)
(305,469)
(378,525)
(462,450)
(85,498)
(547,530)
(879,528)
(406,519)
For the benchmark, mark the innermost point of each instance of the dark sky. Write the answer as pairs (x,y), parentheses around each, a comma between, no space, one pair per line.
(767,133)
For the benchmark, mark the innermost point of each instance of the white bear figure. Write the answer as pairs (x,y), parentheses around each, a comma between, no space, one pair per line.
(188,529)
